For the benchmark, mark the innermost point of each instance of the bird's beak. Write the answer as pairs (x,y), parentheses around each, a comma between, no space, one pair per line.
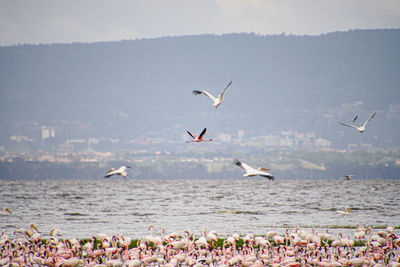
(349,210)
(264,169)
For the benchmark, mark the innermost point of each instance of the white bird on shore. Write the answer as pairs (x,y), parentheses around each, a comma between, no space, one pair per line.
(250,171)
(121,171)
(217,100)
(361,128)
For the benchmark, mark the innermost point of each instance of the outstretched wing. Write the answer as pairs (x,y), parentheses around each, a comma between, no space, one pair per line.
(223,91)
(124,168)
(370,118)
(202,133)
(267,175)
(192,135)
(111,170)
(244,166)
(196,92)
(348,125)
(110,173)
(204,92)
(238,163)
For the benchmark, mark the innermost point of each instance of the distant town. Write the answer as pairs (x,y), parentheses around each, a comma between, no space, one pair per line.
(99,149)
(289,154)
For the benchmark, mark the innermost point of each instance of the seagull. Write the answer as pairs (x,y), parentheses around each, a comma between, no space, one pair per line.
(121,171)
(198,139)
(217,100)
(249,171)
(361,128)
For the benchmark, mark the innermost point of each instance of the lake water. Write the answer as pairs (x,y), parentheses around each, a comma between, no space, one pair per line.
(82,208)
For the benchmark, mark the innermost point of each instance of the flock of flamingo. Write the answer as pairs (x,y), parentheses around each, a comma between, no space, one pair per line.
(296,247)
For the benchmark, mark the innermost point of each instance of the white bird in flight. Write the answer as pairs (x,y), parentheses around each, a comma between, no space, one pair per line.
(121,171)
(250,171)
(217,100)
(361,128)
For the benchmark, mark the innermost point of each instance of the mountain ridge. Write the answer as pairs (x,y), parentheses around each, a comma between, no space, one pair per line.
(129,88)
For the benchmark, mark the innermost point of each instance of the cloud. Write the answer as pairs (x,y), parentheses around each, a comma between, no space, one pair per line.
(308,16)
(8,30)
(73,29)
(49,21)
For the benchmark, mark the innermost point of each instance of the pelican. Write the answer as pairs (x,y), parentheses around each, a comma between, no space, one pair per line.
(249,171)
(347,211)
(6,211)
(217,100)
(198,139)
(121,171)
(361,128)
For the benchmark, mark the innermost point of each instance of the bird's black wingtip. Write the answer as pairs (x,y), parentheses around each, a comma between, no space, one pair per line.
(196,92)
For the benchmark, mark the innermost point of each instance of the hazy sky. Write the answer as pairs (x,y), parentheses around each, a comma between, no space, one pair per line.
(64,21)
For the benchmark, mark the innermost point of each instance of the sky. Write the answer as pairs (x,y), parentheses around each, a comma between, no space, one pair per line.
(66,21)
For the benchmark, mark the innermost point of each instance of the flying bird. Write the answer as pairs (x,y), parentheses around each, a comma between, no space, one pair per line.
(250,171)
(198,139)
(348,177)
(361,128)
(217,100)
(121,171)
(346,211)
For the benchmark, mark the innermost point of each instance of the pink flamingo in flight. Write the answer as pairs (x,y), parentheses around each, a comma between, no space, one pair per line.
(198,139)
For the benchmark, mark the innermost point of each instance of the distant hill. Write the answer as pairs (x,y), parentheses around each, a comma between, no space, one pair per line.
(138,87)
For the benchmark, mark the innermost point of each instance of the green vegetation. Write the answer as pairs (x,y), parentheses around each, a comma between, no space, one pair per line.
(218,243)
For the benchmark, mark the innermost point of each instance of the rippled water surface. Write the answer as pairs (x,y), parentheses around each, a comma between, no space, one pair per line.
(81,208)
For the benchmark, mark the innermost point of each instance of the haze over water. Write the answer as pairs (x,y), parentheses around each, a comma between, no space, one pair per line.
(82,208)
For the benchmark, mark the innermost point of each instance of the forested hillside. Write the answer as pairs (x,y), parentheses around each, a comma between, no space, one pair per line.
(136,87)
